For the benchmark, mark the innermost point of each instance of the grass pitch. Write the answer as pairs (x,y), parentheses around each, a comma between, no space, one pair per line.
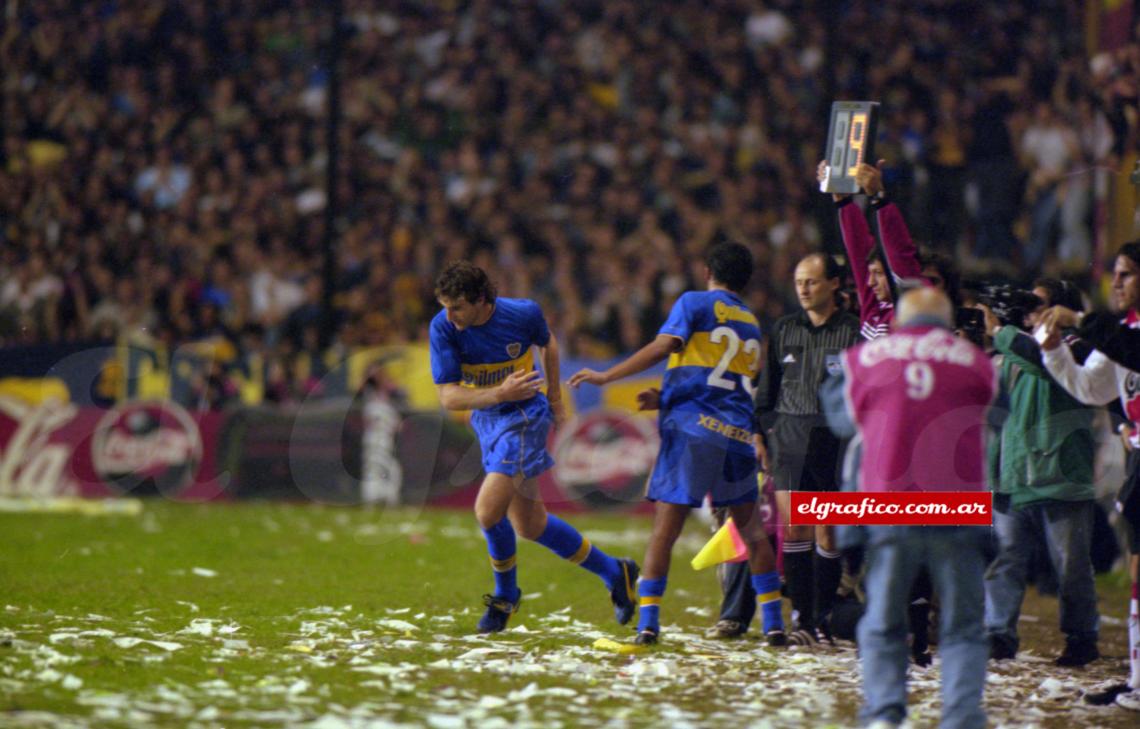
(298,615)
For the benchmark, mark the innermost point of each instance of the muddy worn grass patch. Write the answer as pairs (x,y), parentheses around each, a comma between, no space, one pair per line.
(287,615)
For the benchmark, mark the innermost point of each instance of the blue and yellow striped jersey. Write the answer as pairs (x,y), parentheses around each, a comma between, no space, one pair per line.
(485,355)
(707,390)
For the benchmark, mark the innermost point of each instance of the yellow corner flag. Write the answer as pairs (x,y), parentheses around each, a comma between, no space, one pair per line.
(725,546)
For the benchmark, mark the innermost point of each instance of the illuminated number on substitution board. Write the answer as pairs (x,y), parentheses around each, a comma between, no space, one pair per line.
(855,141)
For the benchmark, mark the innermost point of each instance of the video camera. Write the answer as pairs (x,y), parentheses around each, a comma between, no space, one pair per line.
(972,323)
(1010,305)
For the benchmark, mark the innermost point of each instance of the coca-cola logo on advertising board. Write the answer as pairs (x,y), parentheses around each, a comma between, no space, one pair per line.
(31,465)
(147,446)
(604,457)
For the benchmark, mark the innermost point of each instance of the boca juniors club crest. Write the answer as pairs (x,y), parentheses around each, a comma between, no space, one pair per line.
(514,349)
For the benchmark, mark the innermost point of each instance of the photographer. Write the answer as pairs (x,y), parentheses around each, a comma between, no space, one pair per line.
(1045,494)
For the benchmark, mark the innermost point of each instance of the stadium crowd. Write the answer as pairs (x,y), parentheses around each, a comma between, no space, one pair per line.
(162,166)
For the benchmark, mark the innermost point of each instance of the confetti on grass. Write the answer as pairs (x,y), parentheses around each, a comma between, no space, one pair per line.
(146,656)
(399,625)
(127,642)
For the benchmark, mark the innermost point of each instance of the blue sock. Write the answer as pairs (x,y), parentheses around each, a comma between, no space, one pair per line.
(501,545)
(565,541)
(649,609)
(767,587)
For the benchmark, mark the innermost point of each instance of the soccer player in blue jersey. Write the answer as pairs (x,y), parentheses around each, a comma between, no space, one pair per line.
(482,360)
(712,342)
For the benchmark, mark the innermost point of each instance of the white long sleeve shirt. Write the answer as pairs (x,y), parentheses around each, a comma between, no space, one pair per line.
(1098,382)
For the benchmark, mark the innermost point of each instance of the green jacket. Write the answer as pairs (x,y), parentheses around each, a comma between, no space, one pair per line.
(1047,445)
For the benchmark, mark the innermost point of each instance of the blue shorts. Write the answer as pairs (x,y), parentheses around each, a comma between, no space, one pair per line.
(688,468)
(513,439)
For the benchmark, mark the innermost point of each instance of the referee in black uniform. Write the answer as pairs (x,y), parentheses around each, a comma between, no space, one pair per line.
(797,449)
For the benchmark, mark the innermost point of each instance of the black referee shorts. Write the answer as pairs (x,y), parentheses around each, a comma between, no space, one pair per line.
(804,455)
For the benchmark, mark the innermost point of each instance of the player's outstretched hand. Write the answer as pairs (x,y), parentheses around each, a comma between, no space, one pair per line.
(649,399)
(587,375)
(520,385)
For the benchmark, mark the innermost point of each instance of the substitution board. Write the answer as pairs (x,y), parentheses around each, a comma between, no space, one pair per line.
(850,142)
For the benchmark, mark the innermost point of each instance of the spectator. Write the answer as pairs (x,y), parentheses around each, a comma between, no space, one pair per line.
(164,183)
(993,168)
(1051,152)
(457,136)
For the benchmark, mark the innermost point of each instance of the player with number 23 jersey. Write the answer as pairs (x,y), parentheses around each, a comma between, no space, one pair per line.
(712,343)
(706,402)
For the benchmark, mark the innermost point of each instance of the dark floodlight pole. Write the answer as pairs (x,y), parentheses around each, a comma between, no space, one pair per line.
(831,10)
(332,52)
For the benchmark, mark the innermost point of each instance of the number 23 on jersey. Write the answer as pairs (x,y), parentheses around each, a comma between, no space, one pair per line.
(749,349)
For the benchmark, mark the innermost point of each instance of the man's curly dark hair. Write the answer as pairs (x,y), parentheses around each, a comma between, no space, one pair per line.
(465,279)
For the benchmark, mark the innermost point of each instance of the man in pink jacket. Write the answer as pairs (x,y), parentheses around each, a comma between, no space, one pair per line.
(918,399)
(871,273)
